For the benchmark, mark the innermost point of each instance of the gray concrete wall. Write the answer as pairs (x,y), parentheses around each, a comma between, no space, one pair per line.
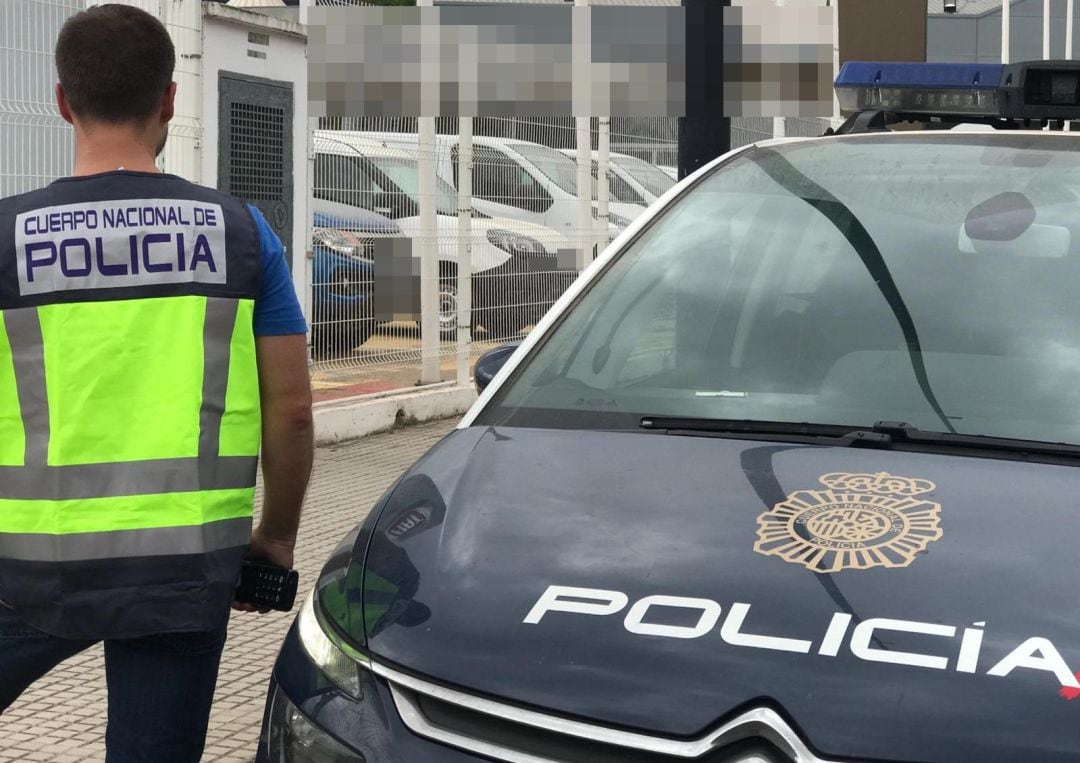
(977,39)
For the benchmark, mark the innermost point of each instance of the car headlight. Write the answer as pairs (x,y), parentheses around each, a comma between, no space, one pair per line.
(515,243)
(340,668)
(343,242)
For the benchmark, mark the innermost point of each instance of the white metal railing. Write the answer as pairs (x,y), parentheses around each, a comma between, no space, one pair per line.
(508,238)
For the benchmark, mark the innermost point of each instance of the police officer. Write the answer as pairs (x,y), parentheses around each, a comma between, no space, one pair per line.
(150,342)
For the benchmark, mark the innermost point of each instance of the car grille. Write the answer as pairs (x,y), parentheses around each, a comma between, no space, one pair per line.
(508,733)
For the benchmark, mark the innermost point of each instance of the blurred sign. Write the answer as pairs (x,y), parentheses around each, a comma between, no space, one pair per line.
(882,30)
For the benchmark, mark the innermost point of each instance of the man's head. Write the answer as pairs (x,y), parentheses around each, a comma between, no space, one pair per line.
(115,65)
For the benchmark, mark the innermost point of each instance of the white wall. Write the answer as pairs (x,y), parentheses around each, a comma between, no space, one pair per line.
(225,48)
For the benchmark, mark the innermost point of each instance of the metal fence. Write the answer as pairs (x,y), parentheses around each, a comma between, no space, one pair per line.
(521,230)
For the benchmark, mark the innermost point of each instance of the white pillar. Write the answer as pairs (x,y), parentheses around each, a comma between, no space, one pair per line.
(584,186)
(582,97)
(306,297)
(603,162)
(429,255)
(1046,30)
(1070,10)
(464,249)
(837,120)
(429,240)
(1006,12)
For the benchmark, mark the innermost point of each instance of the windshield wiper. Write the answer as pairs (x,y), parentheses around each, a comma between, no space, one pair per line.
(884,435)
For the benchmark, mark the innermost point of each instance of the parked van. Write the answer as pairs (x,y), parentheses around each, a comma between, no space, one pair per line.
(647,179)
(515,264)
(512,179)
(625,201)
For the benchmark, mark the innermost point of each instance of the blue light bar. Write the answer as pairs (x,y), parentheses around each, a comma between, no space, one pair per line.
(970,90)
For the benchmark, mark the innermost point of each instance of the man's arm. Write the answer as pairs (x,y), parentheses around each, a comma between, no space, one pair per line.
(285,389)
(287,443)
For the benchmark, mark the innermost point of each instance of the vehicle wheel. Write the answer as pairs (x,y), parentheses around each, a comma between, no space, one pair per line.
(339,339)
(448,308)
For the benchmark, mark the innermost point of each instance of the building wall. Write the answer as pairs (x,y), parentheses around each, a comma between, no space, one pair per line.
(225,46)
(977,39)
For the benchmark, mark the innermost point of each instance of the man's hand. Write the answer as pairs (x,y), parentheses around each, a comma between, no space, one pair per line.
(264,548)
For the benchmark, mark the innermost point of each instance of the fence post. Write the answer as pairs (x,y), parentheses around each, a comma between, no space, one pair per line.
(603,156)
(464,250)
(429,256)
(1070,11)
(308,297)
(1006,32)
(429,238)
(582,38)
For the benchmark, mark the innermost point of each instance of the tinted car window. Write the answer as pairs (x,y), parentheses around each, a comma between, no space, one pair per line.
(810,282)
(498,178)
(342,180)
(618,188)
(653,178)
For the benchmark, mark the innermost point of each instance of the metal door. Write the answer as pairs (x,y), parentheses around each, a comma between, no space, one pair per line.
(255,158)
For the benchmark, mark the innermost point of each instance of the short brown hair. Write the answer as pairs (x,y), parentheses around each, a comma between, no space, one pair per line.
(115,62)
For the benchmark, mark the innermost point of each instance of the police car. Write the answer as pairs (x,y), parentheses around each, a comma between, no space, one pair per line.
(789,475)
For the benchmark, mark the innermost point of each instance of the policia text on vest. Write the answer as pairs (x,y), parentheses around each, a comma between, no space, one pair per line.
(82,246)
(129,403)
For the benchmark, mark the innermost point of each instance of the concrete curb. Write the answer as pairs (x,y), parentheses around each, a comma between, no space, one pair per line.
(353,417)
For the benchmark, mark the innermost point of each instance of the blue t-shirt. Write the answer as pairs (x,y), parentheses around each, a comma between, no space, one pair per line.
(277,310)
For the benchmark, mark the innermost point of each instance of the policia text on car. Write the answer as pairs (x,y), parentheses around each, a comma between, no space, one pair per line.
(151,347)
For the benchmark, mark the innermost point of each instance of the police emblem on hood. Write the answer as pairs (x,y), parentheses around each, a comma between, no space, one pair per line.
(859,521)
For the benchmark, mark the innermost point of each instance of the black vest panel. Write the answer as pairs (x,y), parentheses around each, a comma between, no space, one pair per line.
(125,235)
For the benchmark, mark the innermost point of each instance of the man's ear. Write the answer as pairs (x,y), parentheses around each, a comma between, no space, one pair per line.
(63,105)
(168,103)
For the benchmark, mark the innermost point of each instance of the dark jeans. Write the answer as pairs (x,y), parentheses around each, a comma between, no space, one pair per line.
(160,687)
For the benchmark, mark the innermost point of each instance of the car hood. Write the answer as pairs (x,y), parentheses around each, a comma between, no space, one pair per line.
(900,656)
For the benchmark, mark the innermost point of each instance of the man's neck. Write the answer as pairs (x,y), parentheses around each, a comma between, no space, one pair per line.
(108,150)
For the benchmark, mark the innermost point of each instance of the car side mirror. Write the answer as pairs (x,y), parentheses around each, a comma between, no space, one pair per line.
(491,362)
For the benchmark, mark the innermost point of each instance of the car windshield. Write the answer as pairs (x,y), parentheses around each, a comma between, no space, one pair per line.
(929,279)
(405,174)
(560,169)
(653,178)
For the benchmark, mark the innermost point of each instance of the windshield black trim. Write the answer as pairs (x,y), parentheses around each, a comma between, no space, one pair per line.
(788,177)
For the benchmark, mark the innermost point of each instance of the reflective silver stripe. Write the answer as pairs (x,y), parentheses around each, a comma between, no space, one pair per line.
(217,345)
(172,475)
(28,355)
(158,541)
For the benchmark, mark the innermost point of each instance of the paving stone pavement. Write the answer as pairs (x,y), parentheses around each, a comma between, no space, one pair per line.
(61,719)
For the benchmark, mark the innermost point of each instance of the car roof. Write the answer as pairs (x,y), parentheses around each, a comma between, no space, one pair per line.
(572,152)
(348,143)
(981,130)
